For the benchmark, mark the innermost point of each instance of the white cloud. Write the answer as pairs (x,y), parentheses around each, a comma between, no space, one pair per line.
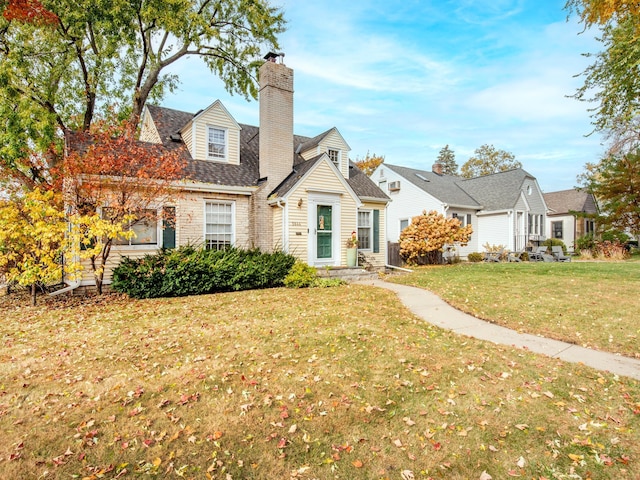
(403,79)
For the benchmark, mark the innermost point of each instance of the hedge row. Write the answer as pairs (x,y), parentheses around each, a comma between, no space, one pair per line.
(196,271)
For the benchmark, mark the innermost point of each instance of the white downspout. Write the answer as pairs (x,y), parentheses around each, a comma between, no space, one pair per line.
(285,240)
(71,287)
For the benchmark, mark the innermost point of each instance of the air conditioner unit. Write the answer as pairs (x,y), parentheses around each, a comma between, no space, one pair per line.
(394,186)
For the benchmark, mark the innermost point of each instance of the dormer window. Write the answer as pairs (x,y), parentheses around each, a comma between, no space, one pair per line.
(334,156)
(216,143)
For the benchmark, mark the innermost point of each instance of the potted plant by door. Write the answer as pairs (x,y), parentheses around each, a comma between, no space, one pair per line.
(352,250)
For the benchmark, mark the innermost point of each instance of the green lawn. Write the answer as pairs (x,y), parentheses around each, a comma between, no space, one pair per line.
(593,304)
(313,384)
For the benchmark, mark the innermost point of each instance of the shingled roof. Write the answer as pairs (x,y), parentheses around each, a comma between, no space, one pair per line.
(443,187)
(566,201)
(498,191)
(169,122)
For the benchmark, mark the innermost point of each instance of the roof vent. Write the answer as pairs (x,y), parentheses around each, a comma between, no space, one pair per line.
(175,137)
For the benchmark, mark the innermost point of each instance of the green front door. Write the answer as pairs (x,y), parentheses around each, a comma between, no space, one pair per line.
(324,233)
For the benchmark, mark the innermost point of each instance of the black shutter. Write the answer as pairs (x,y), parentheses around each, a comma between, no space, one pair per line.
(376,231)
(169,227)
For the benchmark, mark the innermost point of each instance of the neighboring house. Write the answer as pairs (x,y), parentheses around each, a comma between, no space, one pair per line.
(563,222)
(262,186)
(505,208)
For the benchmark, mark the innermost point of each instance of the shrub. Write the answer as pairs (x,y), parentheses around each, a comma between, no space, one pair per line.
(328,282)
(475,257)
(586,242)
(611,250)
(427,234)
(614,236)
(195,271)
(301,275)
(554,242)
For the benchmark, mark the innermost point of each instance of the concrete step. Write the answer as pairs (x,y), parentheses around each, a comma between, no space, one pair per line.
(348,274)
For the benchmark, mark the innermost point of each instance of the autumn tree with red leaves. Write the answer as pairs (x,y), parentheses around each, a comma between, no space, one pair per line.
(63,63)
(116,186)
(28,11)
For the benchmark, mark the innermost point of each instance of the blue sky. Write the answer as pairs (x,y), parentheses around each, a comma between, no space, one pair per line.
(403,79)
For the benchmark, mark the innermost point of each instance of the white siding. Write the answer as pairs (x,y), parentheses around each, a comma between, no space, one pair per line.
(472,246)
(494,230)
(406,203)
(568,229)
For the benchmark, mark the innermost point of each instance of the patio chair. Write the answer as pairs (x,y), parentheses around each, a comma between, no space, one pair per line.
(513,257)
(492,256)
(537,256)
(559,255)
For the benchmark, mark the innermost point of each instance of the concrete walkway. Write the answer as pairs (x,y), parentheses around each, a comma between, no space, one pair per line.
(434,310)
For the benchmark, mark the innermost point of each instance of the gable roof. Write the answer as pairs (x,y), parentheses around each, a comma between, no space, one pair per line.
(443,187)
(565,201)
(498,191)
(169,122)
(306,144)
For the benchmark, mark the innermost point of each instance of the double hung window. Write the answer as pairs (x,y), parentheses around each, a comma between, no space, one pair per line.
(216,143)
(219,225)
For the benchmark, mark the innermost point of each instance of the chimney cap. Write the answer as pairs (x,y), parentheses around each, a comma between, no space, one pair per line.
(272,56)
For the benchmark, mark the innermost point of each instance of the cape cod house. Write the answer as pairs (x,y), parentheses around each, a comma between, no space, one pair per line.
(563,221)
(263,186)
(505,208)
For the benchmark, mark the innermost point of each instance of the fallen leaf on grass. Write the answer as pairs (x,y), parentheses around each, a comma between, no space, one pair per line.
(485,476)
(407,475)
(408,421)
(357,463)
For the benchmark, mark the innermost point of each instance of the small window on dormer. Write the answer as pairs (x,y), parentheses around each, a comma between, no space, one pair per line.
(217,143)
(334,156)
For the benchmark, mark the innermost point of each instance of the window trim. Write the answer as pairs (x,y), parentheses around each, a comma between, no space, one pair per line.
(230,203)
(225,156)
(369,213)
(464,218)
(553,229)
(338,153)
(139,246)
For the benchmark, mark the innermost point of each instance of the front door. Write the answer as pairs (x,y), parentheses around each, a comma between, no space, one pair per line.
(324,232)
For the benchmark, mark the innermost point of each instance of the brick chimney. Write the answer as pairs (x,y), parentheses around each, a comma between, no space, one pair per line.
(276,147)
(276,120)
(437,168)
